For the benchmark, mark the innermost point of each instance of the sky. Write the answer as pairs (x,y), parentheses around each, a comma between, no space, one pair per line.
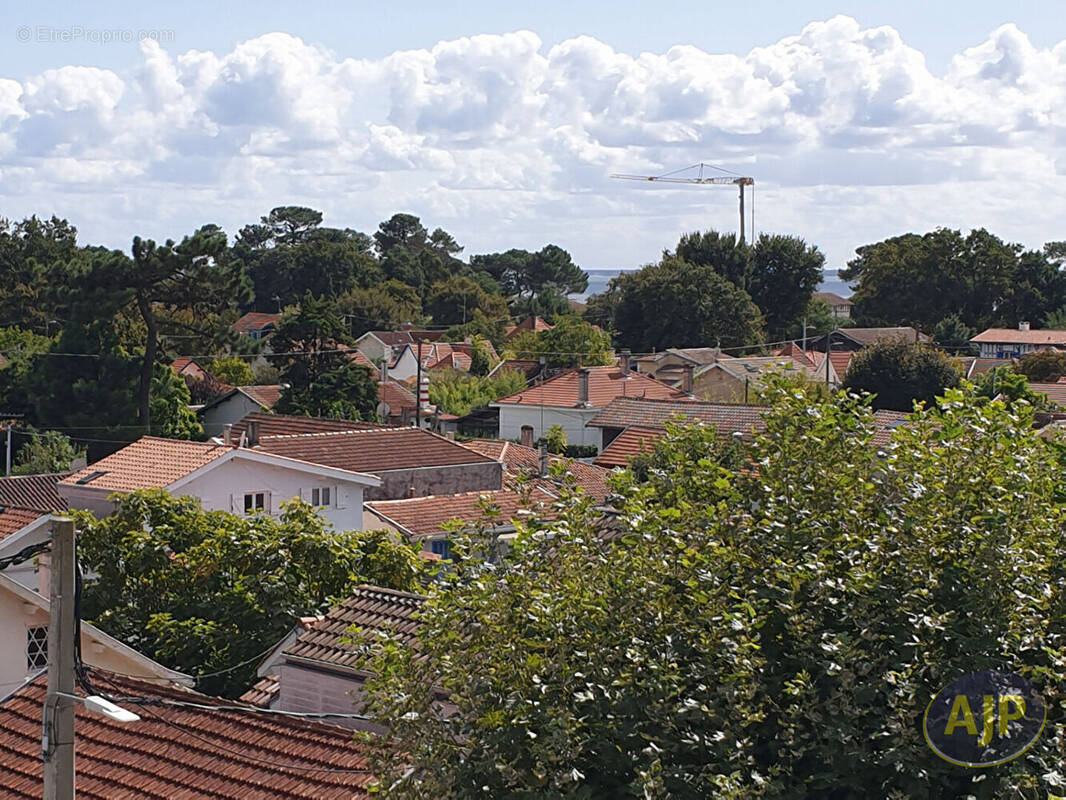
(501,123)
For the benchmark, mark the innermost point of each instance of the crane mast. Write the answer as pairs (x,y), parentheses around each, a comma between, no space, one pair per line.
(740,181)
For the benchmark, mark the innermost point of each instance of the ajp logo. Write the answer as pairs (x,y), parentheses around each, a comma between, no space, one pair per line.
(984,718)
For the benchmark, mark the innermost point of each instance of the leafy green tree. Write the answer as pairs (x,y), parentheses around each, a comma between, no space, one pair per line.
(694,306)
(319,377)
(170,401)
(769,633)
(536,282)
(233,370)
(33,254)
(455,300)
(819,319)
(459,393)
(50,451)
(1043,366)
(1056,320)
(480,360)
(572,342)
(550,304)
(1006,383)
(412,255)
(899,374)
(383,307)
(203,591)
(555,439)
(490,329)
(953,335)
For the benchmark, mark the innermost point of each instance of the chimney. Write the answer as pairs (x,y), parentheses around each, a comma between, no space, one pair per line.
(1023,326)
(384,370)
(625,363)
(526,437)
(542,460)
(423,393)
(406,326)
(253,433)
(411,490)
(686,378)
(583,386)
(227,434)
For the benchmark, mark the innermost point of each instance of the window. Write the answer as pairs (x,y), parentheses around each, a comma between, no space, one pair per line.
(320,496)
(442,547)
(37,647)
(254,502)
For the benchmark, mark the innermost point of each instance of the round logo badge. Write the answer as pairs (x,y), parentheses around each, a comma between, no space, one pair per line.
(984,719)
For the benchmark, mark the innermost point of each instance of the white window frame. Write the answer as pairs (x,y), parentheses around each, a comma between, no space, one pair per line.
(264,509)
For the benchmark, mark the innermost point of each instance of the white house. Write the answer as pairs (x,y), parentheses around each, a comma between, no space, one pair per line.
(19,528)
(235,405)
(570,399)
(225,477)
(1011,343)
(24,631)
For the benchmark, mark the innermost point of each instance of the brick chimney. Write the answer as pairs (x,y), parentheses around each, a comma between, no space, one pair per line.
(624,358)
(686,378)
(227,434)
(583,386)
(1023,326)
(253,433)
(542,460)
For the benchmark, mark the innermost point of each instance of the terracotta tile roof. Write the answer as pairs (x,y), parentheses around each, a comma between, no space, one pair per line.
(39,492)
(255,321)
(756,366)
(263,693)
(797,354)
(377,450)
(605,384)
(840,360)
(359,357)
(527,324)
(183,753)
(452,360)
(286,425)
(1015,336)
(832,298)
(400,338)
(530,369)
(334,639)
(266,396)
(1055,392)
(868,336)
(15,519)
(181,365)
(425,516)
(627,444)
(625,412)
(395,395)
(520,462)
(150,462)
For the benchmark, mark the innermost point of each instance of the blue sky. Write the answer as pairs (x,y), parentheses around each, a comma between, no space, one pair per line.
(858,120)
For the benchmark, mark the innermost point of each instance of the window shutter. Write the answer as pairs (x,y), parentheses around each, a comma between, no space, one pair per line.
(304,495)
(337,501)
(233,503)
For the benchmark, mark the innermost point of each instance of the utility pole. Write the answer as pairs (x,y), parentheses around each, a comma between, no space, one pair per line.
(7,451)
(418,387)
(57,745)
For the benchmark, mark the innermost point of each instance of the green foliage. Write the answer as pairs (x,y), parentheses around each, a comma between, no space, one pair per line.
(899,374)
(480,359)
(555,439)
(319,377)
(33,254)
(678,304)
(918,280)
(492,330)
(953,335)
(50,451)
(458,392)
(233,370)
(571,343)
(769,634)
(169,403)
(1010,386)
(1056,320)
(1043,366)
(536,282)
(382,307)
(819,318)
(454,301)
(202,591)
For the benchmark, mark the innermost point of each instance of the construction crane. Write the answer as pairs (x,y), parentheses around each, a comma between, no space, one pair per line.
(730,178)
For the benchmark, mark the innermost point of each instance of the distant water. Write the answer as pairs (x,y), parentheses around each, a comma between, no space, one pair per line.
(598,279)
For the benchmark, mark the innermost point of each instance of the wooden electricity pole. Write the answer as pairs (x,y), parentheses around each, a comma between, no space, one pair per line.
(57,746)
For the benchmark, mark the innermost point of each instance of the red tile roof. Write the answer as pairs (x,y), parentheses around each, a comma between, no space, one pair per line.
(39,492)
(832,298)
(1015,336)
(527,324)
(425,516)
(521,462)
(335,639)
(400,338)
(255,321)
(372,451)
(627,444)
(285,425)
(15,519)
(396,396)
(1055,392)
(183,753)
(452,360)
(840,360)
(359,357)
(263,693)
(797,354)
(150,462)
(605,384)
(266,396)
(181,364)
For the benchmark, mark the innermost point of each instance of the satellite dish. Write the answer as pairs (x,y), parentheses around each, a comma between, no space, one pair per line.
(383,409)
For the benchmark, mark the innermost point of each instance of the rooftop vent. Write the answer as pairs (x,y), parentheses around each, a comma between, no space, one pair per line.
(92,476)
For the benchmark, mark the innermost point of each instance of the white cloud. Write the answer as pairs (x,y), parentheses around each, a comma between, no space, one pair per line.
(505,141)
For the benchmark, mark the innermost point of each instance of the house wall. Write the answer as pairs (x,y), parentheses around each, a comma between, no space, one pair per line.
(17,615)
(572,420)
(1009,349)
(718,385)
(406,366)
(236,408)
(223,489)
(669,360)
(396,484)
(306,689)
(372,347)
